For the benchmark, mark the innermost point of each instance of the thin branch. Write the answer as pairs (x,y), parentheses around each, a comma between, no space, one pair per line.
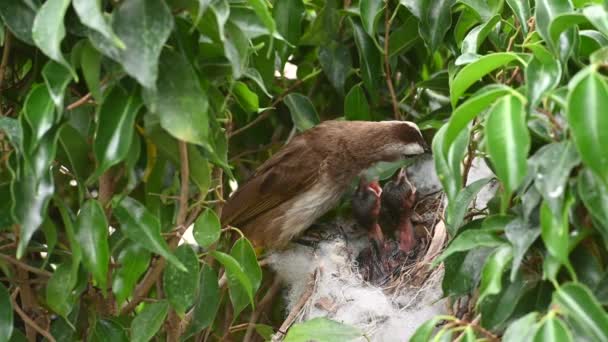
(5,55)
(185,176)
(268,297)
(30,322)
(81,101)
(387,64)
(25,266)
(300,304)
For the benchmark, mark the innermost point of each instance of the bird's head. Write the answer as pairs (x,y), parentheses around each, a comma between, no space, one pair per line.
(399,195)
(404,139)
(366,202)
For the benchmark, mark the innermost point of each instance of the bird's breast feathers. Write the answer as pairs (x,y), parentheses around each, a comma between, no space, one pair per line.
(307,207)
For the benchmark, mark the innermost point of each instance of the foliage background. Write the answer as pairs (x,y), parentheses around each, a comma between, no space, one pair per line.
(137,114)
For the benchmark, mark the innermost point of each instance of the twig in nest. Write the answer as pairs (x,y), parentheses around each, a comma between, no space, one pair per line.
(310,286)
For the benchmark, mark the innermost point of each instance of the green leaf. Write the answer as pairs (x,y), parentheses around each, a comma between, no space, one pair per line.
(475,38)
(134,261)
(467,111)
(237,280)
(139,225)
(435,19)
(254,75)
(303,113)
(404,37)
(115,128)
(288,18)
(91,15)
(19,18)
(562,22)
(546,12)
(181,287)
(179,100)
(149,321)
(59,289)
(143,38)
(447,165)
(322,329)
(208,301)
(108,330)
(261,9)
(521,235)
(522,329)
(582,308)
(90,63)
(369,59)
(587,103)
(247,99)
(473,72)
(594,194)
(6,314)
(39,113)
(242,251)
(236,47)
(92,235)
(457,208)
(463,271)
(56,77)
(543,74)
(521,9)
(356,106)
(554,231)
(336,62)
(48,31)
(497,309)
(370,9)
(424,331)
(552,329)
(469,239)
(491,275)
(207,229)
(552,164)
(508,141)
(598,16)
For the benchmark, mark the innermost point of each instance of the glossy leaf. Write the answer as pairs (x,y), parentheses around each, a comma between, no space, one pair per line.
(245,255)
(369,10)
(546,11)
(59,288)
(247,99)
(48,30)
(543,74)
(336,62)
(587,103)
(92,235)
(508,141)
(447,165)
(469,239)
(56,77)
(149,321)
(207,228)
(139,225)
(322,329)
(39,114)
(91,15)
(521,329)
(369,59)
(435,19)
(521,235)
(594,195)
(108,330)
(235,49)
(554,231)
(208,301)
(181,287)
(458,207)
(115,128)
(500,308)
(288,18)
(473,72)
(424,331)
(581,307)
(6,314)
(179,100)
(261,9)
(491,275)
(598,16)
(303,113)
(133,260)
(521,9)
(552,329)
(19,18)
(475,37)
(404,37)
(90,62)
(238,280)
(356,106)
(143,39)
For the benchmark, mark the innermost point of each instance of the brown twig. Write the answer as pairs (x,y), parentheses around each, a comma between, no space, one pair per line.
(300,304)
(556,125)
(81,101)
(30,322)
(25,266)
(387,64)
(5,55)
(268,297)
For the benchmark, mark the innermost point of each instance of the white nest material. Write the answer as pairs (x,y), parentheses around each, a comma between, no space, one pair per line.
(339,292)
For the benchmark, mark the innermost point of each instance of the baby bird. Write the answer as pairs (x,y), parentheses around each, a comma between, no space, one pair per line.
(398,199)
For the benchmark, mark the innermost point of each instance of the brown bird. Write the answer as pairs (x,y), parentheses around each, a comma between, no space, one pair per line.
(398,199)
(307,177)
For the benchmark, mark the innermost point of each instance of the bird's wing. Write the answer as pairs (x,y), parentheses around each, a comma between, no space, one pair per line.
(279,179)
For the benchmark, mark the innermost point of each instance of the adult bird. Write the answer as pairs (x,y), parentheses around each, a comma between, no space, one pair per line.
(307,176)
